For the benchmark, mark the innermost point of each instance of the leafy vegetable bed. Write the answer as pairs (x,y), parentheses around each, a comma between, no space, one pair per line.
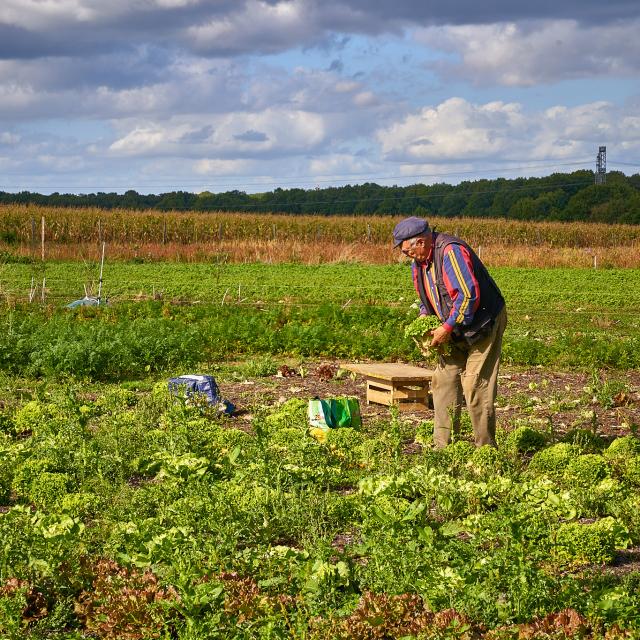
(131,515)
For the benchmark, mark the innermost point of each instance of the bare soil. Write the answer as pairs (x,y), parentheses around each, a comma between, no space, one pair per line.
(551,399)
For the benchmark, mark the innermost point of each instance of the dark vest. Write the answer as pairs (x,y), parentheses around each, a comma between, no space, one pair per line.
(491,300)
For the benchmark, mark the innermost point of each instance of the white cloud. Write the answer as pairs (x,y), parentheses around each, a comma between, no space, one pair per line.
(365,99)
(216,167)
(453,129)
(340,165)
(460,131)
(141,141)
(258,25)
(40,14)
(8,138)
(232,135)
(179,86)
(61,164)
(173,4)
(531,53)
(347,86)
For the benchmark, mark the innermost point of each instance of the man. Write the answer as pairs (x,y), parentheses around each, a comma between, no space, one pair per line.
(455,286)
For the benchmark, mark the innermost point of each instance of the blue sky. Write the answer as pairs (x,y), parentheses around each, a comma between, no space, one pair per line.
(158,95)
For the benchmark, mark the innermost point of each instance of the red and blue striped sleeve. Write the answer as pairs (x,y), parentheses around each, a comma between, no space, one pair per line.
(414,275)
(461,284)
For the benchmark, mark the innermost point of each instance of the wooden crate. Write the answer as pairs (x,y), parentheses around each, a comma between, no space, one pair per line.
(403,385)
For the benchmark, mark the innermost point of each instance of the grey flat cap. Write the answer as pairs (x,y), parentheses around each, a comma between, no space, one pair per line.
(409,228)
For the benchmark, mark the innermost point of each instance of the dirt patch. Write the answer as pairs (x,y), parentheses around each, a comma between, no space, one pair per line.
(626,561)
(343,540)
(557,401)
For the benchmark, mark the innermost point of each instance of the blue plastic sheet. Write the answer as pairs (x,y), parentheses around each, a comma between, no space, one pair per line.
(189,385)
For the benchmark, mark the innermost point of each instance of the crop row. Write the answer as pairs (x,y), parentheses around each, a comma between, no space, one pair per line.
(128,340)
(23,225)
(537,300)
(136,515)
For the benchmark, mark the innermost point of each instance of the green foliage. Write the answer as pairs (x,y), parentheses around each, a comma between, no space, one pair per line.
(424,433)
(135,506)
(586,470)
(345,445)
(589,543)
(458,453)
(623,448)
(259,367)
(80,505)
(6,474)
(525,440)
(115,400)
(419,331)
(27,472)
(127,341)
(291,414)
(587,440)
(486,461)
(604,391)
(420,326)
(554,459)
(29,416)
(7,423)
(561,196)
(631,470)
(47,489)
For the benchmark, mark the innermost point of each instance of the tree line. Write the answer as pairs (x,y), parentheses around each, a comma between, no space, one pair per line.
(560,196)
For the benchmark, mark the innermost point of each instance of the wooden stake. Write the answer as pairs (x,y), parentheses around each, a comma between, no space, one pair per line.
(42,238)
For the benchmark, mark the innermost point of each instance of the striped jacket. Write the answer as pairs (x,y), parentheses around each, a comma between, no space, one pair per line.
(455,286)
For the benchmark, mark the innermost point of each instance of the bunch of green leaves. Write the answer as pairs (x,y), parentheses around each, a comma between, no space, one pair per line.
(421,326)
(525,440)
(595,542)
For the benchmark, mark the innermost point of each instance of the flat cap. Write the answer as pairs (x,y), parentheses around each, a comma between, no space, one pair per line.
(409,228)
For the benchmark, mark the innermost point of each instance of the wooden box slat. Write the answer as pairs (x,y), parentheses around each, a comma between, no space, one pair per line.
(399,384)
(390,371)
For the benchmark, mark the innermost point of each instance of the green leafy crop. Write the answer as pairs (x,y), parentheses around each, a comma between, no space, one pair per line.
(585,543)
(587,469)
(623,448)
(588,441)
(419,331)
(525,440)
(420,326)
(554,459)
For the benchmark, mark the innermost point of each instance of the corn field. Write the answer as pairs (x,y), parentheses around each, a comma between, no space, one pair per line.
(239,237)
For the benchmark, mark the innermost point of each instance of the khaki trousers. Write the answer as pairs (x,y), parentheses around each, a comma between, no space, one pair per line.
(470,372)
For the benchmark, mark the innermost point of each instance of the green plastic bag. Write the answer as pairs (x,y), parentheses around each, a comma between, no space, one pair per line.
(333,413)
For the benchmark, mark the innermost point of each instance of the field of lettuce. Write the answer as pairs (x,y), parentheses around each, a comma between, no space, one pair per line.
(128,513)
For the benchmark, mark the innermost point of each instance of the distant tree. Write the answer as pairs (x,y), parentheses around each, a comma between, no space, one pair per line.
(560,196)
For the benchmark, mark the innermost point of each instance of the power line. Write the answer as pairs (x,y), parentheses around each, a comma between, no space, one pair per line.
(314,180)
(403,196)
(276,206)
(626,164)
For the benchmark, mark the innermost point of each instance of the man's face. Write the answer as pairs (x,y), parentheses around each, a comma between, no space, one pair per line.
(417,248)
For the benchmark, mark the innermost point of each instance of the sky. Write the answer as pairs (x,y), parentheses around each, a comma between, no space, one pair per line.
(215,95)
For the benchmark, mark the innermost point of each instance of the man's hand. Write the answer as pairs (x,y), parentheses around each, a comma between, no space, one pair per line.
(440,336)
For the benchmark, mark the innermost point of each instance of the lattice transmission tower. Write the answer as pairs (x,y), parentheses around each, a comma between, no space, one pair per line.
(601,165)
